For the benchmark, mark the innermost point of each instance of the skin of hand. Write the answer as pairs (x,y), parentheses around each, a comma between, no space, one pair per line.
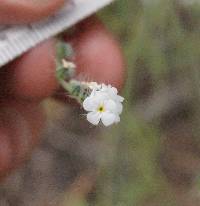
(27,81)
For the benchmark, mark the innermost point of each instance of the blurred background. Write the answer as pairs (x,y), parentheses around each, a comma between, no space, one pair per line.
(152,158)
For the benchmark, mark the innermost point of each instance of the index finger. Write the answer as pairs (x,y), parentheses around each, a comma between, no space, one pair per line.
(26,11)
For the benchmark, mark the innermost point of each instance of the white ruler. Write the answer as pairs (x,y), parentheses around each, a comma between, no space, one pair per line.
(15,40)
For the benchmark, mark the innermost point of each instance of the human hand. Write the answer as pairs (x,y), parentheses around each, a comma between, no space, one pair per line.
(27,81)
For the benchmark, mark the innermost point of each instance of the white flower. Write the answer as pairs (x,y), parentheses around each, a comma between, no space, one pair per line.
(103,105)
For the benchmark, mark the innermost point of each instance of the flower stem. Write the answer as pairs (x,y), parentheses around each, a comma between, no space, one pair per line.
(65,72)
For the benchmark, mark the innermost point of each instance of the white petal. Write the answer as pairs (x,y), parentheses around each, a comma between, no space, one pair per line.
(119,108)
(89,104)
(104,87)
(92,102)
(94,118)
(110,106)
(113,90)
(108,118)
(100,97)
(120,98)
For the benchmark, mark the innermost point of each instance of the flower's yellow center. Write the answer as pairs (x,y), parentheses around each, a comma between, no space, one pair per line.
(101,108)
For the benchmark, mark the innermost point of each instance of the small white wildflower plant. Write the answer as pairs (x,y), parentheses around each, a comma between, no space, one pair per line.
(101,102)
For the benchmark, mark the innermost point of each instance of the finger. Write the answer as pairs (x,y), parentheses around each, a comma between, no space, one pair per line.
(32,76)
(20,125)
(23,11)
(97,53)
